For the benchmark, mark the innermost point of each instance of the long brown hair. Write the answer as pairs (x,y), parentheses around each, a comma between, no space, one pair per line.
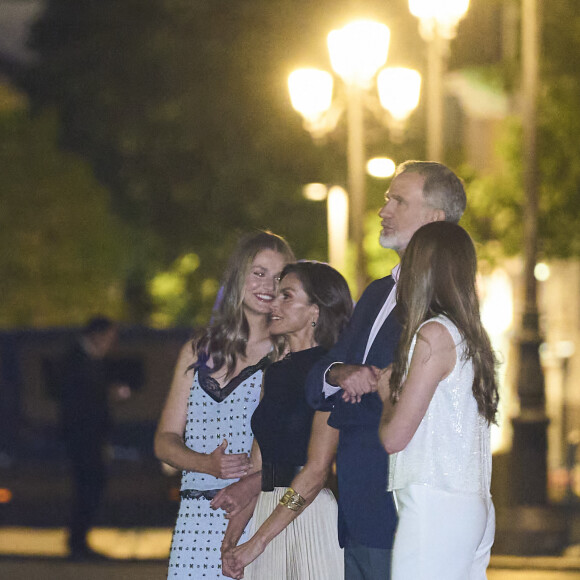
(226,336)
(437,277)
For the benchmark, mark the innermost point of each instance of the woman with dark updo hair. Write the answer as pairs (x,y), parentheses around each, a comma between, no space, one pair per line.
(295,445)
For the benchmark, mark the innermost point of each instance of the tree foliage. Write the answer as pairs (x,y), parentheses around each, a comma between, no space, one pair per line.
(62,254)
(181,108)
(177,107)
(496,203)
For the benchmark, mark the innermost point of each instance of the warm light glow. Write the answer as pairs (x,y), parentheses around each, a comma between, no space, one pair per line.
(359,50)
(315,191)
(337,219)
(497,310)
(441,10)
(497,315)
(399,90)
(310,92)
(381,167)
(541,272)
(5,495)
(445,14)
(565,349)
(128,543)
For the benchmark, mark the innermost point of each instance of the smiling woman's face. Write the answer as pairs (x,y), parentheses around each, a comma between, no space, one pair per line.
(262,281)
(292,311)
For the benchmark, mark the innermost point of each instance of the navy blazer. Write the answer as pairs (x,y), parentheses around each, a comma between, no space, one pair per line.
(366,512)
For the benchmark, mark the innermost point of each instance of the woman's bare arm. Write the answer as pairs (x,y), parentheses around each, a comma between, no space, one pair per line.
(308,483)
(433,359)
(243,510)
(234,498)
(169,438)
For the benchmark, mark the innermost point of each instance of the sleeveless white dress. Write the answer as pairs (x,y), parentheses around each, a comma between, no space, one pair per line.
(441,483)
(199,530)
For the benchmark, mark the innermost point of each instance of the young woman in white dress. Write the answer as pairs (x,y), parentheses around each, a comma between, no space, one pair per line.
(205,425)
(440,397)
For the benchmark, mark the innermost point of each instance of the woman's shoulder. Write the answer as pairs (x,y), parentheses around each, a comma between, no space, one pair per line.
(438,327)
(437,334)
(187,356)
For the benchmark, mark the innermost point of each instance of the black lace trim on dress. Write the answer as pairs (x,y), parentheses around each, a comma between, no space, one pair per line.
(198,494)
(212,387)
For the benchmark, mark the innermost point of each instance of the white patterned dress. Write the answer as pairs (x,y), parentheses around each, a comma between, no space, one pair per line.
(213,414)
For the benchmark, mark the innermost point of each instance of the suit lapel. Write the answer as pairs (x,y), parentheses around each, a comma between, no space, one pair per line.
(383,348)
(376,302)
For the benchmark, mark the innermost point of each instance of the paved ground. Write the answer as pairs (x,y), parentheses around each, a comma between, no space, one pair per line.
(141,553)
(58,569)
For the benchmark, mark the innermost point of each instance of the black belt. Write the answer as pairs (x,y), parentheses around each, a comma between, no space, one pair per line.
(198,494)
(278,475)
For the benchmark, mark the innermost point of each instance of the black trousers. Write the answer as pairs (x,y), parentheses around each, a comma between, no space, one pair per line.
(88,469)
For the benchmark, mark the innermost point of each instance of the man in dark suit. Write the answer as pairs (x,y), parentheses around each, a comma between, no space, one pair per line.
(344,381)
(85,423)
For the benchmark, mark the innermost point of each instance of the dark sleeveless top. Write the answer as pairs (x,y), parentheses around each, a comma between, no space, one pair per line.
(282,422)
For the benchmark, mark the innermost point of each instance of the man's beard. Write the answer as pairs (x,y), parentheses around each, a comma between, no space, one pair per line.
(389,242)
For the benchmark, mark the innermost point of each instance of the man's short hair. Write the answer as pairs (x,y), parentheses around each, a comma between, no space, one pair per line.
(98,325)
(442,188)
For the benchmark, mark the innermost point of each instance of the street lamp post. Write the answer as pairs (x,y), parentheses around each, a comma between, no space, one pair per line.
(357,52)
(530,426)
(438,20)
(399,91)
(356,179)
(530,526)
(336,219)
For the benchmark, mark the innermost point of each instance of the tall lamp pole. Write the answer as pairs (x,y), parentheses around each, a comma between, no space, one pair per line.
(336,220)
(531,526)
(357,52)
(530,445)
(355,156)
(438,20)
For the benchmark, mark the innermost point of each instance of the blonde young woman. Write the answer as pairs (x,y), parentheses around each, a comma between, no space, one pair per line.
(440,397)
(205,425)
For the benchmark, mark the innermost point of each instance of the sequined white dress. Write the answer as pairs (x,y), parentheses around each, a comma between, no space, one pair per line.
(213,414)
(441,482)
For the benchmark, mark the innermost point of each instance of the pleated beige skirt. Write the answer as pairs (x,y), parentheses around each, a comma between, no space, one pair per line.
(307,549)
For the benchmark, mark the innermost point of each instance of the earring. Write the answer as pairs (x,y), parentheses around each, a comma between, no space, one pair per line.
(313,323)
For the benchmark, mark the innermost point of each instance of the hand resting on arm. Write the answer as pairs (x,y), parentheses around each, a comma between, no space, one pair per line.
(169,438)
(354,380)
(308,483)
